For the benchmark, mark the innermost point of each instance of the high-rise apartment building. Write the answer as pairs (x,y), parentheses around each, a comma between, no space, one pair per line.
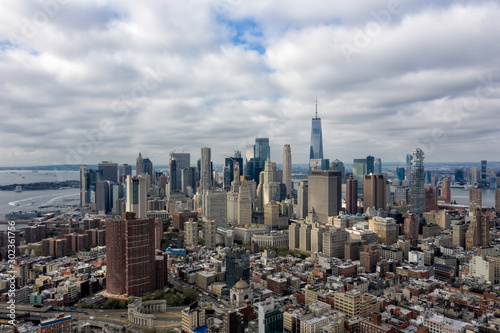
(351,195)
(137,195)
(417,193)
(130,256)
(478,233)
(459,232)
(325,194)
(374,191)
(191,233)
(385,228)
(431,197)
(446,190)
(411,228)
(475,198)
(287,169)
(209,233)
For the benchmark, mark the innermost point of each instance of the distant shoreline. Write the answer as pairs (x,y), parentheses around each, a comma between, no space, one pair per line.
(42,186)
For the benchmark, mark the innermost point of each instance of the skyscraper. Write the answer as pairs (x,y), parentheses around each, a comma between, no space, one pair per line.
(256,157)
(316,149)
(338,165)
(478,233)
(102,197)
(139,165)
(269,184)
(136,195)
(237,267)
(287,169)
(358,172)
(483,173)
(244,204)
(417,182)
(325,194)
(209,232)
(400,172)
(411,228)
(148,168)
(497,201)
(230,163)
(109,171)
(316,160)
(374,191)
(370,164)
(262,152)
(302,196)
(408,166)
(172,168)
(475,198)
(123,171)
(377,166)
(351,196)
(445,190)
(130,256)
(83,186)
(459,175)
(182,161)
(205,172)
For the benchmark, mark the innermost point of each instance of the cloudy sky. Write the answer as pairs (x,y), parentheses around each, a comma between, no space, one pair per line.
(84,81)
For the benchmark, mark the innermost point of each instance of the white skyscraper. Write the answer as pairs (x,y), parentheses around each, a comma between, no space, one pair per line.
(137,195)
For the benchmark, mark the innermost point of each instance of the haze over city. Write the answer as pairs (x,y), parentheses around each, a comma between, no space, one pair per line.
(86,81)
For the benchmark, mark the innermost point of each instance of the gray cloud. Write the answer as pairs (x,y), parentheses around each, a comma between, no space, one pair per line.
(105,80)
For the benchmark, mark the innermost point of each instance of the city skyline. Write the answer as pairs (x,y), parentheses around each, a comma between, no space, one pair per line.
(95,82)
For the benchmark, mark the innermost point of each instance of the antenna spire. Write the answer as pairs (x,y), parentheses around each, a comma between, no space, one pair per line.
(316,107)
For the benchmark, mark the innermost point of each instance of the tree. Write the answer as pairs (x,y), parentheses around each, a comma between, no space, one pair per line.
(190,295)
(159,294)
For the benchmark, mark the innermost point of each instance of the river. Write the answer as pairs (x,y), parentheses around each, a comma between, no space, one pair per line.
(31,200)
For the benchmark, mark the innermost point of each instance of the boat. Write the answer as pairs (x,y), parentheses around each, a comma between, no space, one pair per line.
(19,188)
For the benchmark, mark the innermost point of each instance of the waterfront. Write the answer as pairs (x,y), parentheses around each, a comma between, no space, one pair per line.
(31,200)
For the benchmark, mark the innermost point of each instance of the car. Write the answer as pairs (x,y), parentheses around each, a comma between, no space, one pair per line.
(106,315)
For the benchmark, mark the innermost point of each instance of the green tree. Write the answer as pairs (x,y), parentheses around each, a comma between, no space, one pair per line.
(190,295)
(159,294)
